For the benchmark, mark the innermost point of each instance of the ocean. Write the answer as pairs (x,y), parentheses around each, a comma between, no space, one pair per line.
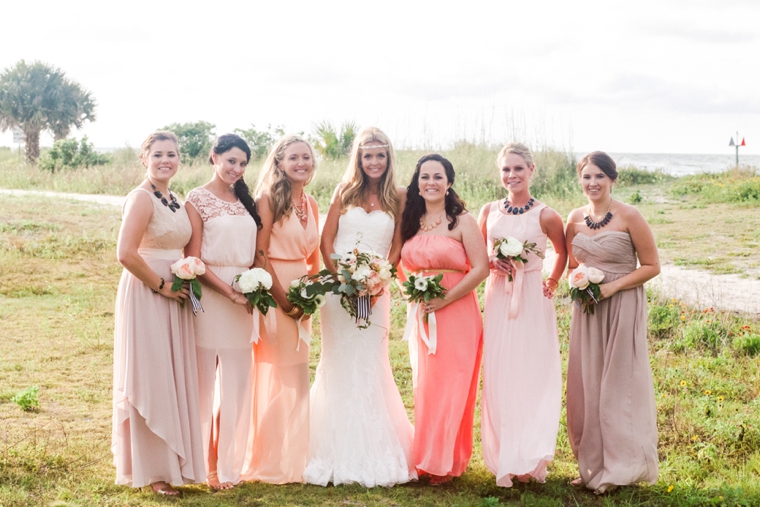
(682,164)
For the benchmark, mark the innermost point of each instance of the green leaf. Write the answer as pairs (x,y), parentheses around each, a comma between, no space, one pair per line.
(195,285)
(177,284)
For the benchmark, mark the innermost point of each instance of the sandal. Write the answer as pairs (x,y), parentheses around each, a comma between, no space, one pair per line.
(165,489)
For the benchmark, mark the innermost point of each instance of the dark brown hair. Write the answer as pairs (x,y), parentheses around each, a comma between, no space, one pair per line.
(602,161)
(415,203)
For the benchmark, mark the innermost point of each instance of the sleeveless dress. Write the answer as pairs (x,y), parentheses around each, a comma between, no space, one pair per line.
(279,439)
(445,383)
(156,427)
(223,333)
(360,432)
(611,409)
(522,372)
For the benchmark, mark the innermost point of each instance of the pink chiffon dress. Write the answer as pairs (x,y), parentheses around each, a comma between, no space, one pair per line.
(279,439)
(611,408)
(522,372)
(156,426)
(223,333)
(446,382)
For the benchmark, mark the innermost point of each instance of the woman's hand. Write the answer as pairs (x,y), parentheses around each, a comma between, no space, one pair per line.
(548,289)
(606,290)
(434,305)
(180,296)
(503,267)
(373,299)
(239,298)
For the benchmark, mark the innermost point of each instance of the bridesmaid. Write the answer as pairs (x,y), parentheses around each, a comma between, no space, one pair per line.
(225,222)
(441,237)
(289,237)
(156,435)
(522,374)
(611,411)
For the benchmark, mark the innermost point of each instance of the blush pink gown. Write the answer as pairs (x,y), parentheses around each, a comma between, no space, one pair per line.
(522,372)
(279,439)
(156,425)
(446,383)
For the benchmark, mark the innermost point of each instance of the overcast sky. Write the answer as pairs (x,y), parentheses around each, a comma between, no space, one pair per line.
(642,77)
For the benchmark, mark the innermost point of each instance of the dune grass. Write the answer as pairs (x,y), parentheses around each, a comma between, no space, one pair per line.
(58,277)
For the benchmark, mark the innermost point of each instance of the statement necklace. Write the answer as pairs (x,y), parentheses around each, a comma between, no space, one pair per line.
(301,210)
(515,210)
(429,227)
(604,221)
(173,205)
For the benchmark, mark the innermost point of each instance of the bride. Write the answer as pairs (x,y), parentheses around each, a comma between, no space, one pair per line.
(360,432)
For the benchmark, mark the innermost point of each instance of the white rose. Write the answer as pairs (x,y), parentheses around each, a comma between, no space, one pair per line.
(579,277)
(361,273)
(510,247)
(295,283)
(320,299)
(197,265)
(183,269)
(385,274)
(595,275)
(420,284)
(248,281)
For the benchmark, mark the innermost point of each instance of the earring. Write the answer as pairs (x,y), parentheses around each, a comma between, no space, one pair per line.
(447,192)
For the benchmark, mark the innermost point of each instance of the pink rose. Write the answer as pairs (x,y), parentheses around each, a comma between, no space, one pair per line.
(579,278)
(197,265)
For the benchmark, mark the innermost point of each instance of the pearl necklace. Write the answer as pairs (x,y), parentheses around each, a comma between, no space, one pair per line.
(598,225)
(425,227)
(515,210)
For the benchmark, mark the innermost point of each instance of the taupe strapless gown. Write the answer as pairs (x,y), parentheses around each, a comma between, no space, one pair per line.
(611,410)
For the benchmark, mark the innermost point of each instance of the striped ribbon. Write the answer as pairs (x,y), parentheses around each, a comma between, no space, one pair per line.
(196,303)
(363,308)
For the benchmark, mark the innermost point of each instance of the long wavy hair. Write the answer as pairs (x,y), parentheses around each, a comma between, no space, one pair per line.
(415,203)
(222,145)
(354,187)
(274,182)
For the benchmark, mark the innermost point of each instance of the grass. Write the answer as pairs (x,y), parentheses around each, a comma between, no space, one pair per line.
(58,277)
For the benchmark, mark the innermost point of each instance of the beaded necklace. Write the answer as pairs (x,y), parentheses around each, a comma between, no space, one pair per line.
(173,205)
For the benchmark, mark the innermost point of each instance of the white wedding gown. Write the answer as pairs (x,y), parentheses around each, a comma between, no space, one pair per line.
(360,432)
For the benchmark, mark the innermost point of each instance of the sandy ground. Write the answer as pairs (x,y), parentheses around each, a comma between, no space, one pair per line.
(694,287)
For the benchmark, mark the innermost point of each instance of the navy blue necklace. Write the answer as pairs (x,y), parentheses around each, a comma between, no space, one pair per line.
(515,210)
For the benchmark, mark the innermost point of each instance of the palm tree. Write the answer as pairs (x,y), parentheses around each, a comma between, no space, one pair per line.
(38,97)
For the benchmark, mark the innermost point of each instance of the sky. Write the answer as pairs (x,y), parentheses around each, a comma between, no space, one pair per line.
(623,77)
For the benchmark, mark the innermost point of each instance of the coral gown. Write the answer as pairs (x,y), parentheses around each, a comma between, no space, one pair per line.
(156,426)
(223,333)
(445,383)
(279,440)
(522,372)
(359,428)
(611,408)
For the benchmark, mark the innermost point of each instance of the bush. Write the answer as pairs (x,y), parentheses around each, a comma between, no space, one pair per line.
(260,141)
(195,139)
(68,153)
(632,175)
(663,319)
(333,144)
(27,399)
(734,185)
(748,344)
(699,334)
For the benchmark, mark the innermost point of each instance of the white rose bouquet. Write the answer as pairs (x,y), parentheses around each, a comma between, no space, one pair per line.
(361,275)
(511,249)
(186,270)
(308,293)
(256,284)
(421,288)
(584,287)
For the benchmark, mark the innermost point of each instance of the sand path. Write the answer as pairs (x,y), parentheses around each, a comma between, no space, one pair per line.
(694,287)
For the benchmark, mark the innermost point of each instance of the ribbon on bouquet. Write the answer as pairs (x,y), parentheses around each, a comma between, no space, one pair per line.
(515,287)
(270,324)
(303,334)
(196,303)
(415,316)
(363,308)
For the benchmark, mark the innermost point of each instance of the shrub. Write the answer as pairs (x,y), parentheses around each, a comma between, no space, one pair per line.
(68,153)
(663,319)
(195,139)
(27,399)
(632,175)
(748,344)
(699,334)
(260,141)
(333,144)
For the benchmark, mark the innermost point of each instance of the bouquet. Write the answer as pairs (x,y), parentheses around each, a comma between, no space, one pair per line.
(255,285)
(584,287)
(186,270)
(361,275)
(423,288)
(308,293)
(510,249)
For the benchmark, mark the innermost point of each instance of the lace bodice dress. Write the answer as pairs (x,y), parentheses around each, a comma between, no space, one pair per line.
(360,432)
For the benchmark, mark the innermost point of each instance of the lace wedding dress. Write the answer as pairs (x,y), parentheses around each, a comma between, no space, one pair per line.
(360,432)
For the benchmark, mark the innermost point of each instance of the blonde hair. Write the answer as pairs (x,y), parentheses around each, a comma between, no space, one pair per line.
(160,135)
(354,183)
(517,149)
(274,182)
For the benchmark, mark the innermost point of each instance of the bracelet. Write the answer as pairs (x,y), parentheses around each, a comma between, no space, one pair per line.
(556,283)
(293,311)
(160,286)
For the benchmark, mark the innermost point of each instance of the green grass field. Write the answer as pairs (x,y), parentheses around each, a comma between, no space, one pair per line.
(58,277)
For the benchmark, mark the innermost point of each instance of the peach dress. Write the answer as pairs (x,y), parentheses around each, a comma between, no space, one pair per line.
(223,333)
(522,372)
(279,440)
(445,383)
(156,426)
(611,409)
